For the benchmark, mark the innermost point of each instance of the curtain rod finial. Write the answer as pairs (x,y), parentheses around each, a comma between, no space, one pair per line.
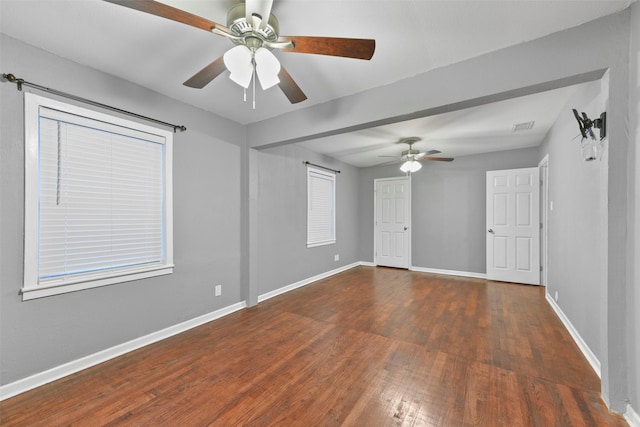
(13,79)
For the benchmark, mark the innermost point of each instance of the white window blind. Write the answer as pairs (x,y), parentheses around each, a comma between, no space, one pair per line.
(102,197)
(321,219)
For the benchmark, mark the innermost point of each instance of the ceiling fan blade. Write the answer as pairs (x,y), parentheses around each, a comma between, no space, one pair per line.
(207,74)
(169,12)
(428,153)
(439,159)
(261,8)
(290,88)
(333,46)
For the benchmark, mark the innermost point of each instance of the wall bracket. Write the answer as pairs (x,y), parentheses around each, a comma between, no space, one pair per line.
(586,124)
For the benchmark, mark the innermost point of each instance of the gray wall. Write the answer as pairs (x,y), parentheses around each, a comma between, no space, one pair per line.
(633,336)
(282,218)
(448,205)
(557,60)
(577,224)
(232,207)
(69,326)
(47,332)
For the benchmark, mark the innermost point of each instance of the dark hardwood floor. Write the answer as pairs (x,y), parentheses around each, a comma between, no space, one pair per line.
(367,347)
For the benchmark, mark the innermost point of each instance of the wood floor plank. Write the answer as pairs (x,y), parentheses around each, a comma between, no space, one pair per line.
(367,347)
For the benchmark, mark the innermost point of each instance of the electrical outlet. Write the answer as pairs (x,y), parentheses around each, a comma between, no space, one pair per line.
(336,257)
(556,296)
(218,290)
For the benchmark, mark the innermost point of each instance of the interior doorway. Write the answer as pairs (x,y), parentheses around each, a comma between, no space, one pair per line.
(513,225)
(392,220)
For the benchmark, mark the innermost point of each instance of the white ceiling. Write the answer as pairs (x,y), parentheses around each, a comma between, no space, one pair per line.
(412,37)
(475,130)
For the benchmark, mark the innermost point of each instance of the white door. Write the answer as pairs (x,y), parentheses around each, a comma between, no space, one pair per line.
(392,217)
(513,225)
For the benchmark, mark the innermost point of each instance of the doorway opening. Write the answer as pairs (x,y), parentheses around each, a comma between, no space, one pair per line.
(392,221)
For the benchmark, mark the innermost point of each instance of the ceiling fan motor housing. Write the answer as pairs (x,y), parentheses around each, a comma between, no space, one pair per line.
(410,153)
(251,34)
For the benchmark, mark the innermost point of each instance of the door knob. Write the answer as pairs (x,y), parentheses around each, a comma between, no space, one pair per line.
(405,229)
(491,230)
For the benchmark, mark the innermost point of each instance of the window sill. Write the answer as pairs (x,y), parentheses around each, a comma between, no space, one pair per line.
(314,245)
(40,291)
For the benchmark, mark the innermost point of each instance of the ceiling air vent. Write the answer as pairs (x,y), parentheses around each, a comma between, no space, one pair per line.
(520,127)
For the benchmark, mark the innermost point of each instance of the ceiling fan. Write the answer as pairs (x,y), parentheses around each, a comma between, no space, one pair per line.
(255,32)
(411,156)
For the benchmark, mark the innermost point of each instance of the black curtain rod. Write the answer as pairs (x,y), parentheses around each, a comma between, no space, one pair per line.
(21,82)
(321,167)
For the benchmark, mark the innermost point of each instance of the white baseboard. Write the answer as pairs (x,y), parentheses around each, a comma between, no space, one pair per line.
(305,282)
(310,280)
(632,417)
(593,360)
(449,272)
(41,378)
(53,374)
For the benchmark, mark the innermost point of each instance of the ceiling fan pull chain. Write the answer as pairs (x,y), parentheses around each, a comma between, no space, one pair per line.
(254,87)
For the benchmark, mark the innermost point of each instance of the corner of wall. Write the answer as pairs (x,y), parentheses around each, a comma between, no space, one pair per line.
(633,218)
(632,417)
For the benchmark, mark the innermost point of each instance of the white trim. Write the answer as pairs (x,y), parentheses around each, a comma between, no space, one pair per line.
(305,282)
(316,244)
(591,357)
(366,264)
(50,375)
(84,283)
(632,416)
(544,220)
(36,106)
(449,272)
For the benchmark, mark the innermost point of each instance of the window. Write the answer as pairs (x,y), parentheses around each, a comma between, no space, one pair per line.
(321,207)
(98,199)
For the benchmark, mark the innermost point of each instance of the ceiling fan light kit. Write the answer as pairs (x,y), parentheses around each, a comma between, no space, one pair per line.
(267,68)
(249,58)
(411,166)
(236,61)
(411,156)
(255,37)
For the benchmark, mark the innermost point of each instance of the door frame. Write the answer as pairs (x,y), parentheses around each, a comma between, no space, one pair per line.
(375,216)
(543,167)
(532,276)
